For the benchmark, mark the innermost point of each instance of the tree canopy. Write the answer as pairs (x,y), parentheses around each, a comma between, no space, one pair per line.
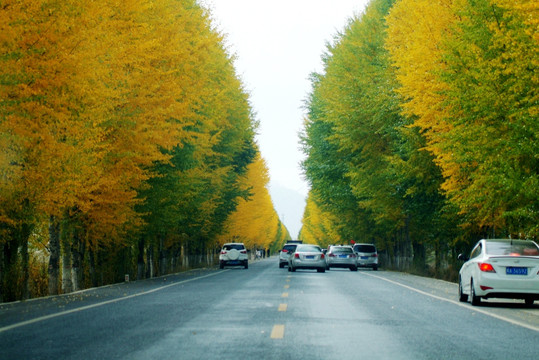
(422,129)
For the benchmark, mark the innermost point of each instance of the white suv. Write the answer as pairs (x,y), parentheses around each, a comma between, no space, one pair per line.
(233,254)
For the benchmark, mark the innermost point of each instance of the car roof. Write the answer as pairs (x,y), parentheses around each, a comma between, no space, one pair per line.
(234,243)
(508,240)
(309,245)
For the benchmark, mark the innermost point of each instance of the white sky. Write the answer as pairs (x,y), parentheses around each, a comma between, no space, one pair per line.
(278,44)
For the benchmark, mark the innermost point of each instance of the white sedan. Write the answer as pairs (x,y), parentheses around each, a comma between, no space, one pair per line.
(500,268)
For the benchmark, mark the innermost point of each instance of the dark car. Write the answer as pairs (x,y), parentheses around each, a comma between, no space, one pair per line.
(284,254)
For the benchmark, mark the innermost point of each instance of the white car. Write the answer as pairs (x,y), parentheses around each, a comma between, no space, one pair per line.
(501,268)
(233,254)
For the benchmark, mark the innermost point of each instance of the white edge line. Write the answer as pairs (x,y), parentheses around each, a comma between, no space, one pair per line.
(51,316)
(503,318)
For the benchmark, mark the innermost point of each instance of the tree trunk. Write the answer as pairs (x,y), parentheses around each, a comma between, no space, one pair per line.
(1,273)
(67,285)
(54,259)
(77,249)
(140,259)
(25,235)
(162,256)
(149,255)
(93,274)
(9,286)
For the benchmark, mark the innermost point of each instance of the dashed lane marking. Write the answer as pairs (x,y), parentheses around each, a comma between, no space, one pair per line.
(284,295)
(277,332)
(287,286)
(283,307)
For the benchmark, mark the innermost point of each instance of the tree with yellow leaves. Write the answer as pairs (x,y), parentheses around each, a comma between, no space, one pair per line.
(255,221)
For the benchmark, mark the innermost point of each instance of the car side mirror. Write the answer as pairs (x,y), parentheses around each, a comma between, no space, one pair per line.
(463,257)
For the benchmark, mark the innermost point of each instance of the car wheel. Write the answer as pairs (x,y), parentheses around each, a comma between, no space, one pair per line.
(221,265)
(293,269)
(476,300)
(246,264)
(321,270)
(462,296)
(289,268)
(375,268)
(281,265)
(353,268)
(529,301)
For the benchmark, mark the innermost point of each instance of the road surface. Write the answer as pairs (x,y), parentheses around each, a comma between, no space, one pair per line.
(269,313)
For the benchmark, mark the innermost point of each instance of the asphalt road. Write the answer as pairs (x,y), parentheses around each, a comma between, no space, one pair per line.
(269,313)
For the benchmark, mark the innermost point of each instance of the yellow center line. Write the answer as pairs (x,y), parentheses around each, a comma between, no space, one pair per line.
(283,307)
(277,332)
(287,286)
(285,295)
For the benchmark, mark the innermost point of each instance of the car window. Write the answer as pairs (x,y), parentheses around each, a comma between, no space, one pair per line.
(309,248)
(290,248)
(342,250)
(234,246)
(516,248)
(476,251)
(365,248)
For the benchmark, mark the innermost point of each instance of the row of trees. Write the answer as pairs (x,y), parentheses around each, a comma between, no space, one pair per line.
(126,144)
(422,132)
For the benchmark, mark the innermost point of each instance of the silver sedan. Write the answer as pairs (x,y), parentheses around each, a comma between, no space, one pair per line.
(307,257)
(341,257)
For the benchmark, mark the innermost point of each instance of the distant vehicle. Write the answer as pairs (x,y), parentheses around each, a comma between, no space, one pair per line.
(233,254)
(341,256)
(284,254)
(367,256)
(307,257)
(294,242)
(501,268)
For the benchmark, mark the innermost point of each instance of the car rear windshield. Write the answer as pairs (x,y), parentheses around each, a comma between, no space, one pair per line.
(309,248)
(234,246)
(342,250)
(516,248)
(365,248)
(290,248)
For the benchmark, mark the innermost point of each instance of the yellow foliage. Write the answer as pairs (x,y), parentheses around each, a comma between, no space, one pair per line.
(319,227)
(255,221)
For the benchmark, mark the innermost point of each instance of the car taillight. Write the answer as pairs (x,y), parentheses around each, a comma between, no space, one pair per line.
(284,250)
(323,257)
(223,252)
(332,255)
(296,255)
(243,251)
(353,255)
(374,255)
(486,267)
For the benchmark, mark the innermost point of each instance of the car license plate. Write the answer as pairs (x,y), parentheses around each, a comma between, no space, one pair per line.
(343,256)
(310,257)
(516,270)
(364,257)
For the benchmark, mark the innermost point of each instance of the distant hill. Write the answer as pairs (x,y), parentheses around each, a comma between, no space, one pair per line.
(290,205)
